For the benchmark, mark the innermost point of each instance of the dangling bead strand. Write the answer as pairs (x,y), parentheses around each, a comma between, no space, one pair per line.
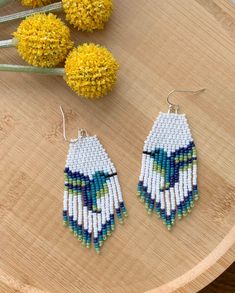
(158,171)
(162,188)
(111,202)
(176,179)
(75,212)
(70,201)
(171,186)
(195,189)
(99,213)
(89,205)
(85,211)
(149,184)
(181,184)
(119,194)
(167,193)
(190,183)
(107,206)
(80,207)
(185,178)
(66,192)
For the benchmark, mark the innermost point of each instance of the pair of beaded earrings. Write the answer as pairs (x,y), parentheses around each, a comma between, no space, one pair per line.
(167,181)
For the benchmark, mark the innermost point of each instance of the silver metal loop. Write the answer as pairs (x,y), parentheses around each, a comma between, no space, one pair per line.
(81,132)
(174,108)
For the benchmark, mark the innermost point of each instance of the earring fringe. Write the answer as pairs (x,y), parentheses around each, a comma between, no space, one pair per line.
(92,192)
(168,176)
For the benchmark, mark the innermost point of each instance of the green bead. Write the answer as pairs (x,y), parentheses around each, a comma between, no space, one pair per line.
(121,221)
(125,214)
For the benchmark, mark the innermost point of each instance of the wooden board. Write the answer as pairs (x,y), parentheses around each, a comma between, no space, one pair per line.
(161,45)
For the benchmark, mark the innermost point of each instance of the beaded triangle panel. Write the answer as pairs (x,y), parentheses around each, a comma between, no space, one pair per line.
(92,192)
(168,177)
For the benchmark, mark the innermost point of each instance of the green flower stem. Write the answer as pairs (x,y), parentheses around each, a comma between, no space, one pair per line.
(32,69)
(8,43)
(4,2)
(54,7)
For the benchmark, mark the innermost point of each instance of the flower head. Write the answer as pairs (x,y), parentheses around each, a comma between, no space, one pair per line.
(87,15)
(36,3)
(91,70)
(43,40)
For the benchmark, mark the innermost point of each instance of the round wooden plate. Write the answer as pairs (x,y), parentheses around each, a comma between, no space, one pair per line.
(161,45)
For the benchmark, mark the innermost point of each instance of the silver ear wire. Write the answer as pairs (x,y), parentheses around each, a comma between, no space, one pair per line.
(174,108)
(63,121)
(81,132)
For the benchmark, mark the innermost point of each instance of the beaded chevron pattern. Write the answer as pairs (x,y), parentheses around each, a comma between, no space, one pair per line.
(91,192)
(168,178)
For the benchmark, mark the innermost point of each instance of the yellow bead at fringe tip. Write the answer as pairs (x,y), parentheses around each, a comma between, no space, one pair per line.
(91,70)
(169,227)
(121,221)
(125,214)
(43,40)
(36,3)
(87,15)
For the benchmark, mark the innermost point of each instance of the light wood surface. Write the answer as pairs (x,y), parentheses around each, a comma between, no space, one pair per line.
(161,45)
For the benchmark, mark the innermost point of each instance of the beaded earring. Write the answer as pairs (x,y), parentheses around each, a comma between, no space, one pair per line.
(168,177)
(92,191)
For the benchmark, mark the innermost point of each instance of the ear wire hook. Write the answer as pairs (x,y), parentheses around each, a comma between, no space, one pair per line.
(81,132)
(173,108)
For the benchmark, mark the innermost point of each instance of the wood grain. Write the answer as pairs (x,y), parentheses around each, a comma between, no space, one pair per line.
(161,45)
(224,283)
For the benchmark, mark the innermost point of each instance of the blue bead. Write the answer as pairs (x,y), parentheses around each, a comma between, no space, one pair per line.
(121,204)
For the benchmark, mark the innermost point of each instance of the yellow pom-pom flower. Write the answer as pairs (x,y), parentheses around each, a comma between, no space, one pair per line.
(91,70)
(87,15)
(36,3)
(43,40)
